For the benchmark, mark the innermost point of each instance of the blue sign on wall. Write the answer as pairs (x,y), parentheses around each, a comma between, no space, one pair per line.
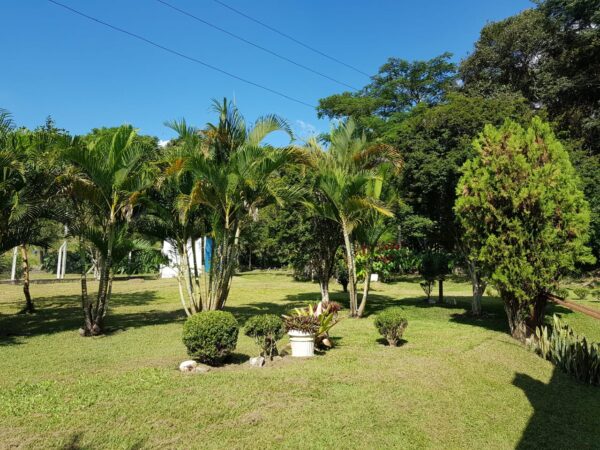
(208,247)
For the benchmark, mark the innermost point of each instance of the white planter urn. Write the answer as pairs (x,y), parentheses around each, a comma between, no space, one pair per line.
(303,344)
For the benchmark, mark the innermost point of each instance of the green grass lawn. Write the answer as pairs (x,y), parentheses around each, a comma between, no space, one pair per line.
(455,383)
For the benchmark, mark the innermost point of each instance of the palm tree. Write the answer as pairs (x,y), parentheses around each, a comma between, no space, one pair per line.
(25,192)
(233,176)
(344,170)
(374,225)
(106,178)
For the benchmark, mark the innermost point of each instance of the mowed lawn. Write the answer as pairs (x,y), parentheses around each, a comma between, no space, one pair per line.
(455,383)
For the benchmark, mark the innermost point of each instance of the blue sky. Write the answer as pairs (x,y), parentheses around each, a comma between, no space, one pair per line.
(85,75)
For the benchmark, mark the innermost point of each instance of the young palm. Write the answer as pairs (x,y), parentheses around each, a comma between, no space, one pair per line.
(106,178)
(373,225)
(344,171)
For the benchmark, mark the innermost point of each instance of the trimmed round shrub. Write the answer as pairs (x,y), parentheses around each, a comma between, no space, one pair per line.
(210,336)
(266,329)
(391,324)
(581,293)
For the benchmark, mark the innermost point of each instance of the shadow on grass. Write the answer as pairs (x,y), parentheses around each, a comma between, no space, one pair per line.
(63,313)
(245,311)
(385,343)
(565,413)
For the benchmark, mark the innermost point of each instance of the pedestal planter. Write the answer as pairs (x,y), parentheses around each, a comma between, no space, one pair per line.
(303,344)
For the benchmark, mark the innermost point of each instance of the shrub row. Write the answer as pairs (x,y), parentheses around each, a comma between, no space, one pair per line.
(211,336)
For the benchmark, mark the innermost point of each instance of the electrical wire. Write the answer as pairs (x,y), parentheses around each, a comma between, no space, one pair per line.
(182,55)
(291,38)
(260,47)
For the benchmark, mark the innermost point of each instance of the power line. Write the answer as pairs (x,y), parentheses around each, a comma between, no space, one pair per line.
(182,55)
(291,38)
(264,49)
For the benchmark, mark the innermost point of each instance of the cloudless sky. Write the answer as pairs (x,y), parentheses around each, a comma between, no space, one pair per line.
(84,75)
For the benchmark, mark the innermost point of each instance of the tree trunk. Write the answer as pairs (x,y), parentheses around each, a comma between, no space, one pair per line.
(86,305)
(351,270)
(366,282)
(324,285)
(366,287)
(479,286)
(441,290)
(29,307)
(523,319)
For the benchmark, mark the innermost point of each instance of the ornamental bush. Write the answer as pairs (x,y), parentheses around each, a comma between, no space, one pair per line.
(523,216)
(391,324)
(266,329)
(581,293)
(210,336)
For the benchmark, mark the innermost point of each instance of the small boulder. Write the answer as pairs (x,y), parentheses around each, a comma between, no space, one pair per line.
(188,366)
(259,361)
(201,368)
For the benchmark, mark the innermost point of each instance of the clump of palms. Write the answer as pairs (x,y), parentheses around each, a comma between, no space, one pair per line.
(105,180)
(225,174)
(344,172)
(25,192)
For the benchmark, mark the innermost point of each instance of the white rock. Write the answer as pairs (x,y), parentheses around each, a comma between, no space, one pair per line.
(259,361)
(188,366)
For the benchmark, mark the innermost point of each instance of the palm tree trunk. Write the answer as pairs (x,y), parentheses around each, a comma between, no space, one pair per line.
(86,305)
(366,284)
(29,307)
(186,274)
(351,270)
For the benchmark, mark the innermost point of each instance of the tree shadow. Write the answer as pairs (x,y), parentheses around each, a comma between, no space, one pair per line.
(566,413)
(73,443)
(63,313)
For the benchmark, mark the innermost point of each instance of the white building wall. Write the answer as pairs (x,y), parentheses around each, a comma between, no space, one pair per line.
(170,251)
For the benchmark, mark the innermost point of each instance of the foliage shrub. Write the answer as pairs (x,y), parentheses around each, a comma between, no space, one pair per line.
(6,265)
(73,262)
(144,261)
(561,292)
(391,324)
(389,260)
(307,324)
(581,293)
(210,336)
(529,243)
(341,273)
(572,354)
(434,266)
(266,329)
